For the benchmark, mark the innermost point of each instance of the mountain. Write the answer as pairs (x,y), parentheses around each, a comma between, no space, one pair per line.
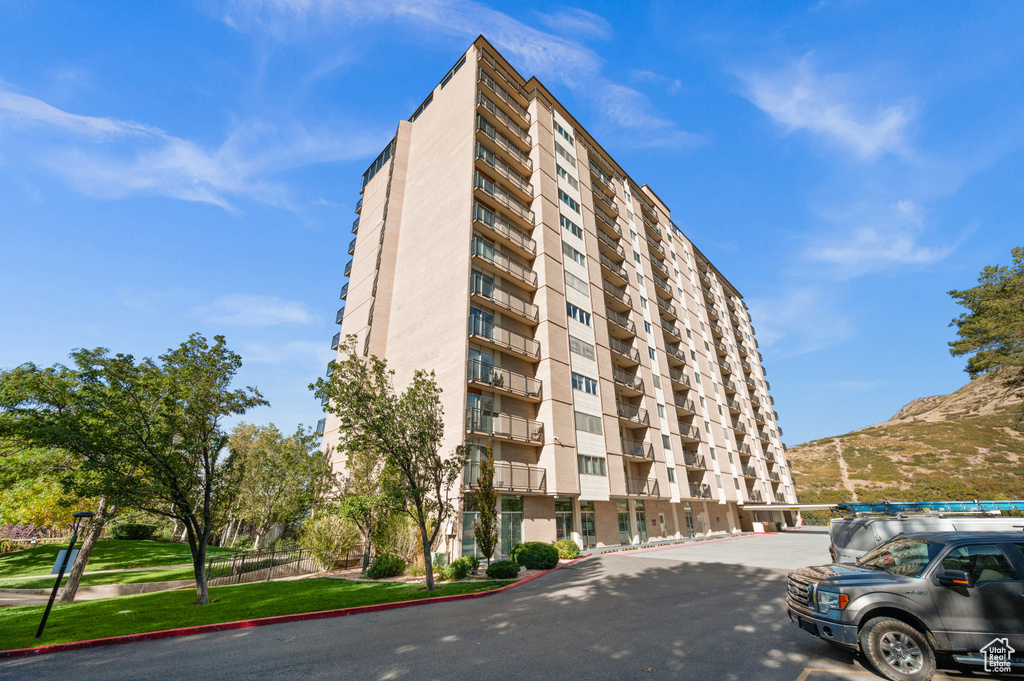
(965,445)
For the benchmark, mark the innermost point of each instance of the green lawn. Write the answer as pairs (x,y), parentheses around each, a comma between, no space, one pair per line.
(105,578)
(174,609)
(109,554)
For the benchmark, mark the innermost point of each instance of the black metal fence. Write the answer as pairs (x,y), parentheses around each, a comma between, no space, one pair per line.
(258,566)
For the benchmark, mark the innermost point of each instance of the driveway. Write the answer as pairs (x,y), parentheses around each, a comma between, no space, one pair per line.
(709,610)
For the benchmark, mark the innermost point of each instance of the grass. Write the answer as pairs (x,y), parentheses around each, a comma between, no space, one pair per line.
(105,578)
(109,554)
(175,609)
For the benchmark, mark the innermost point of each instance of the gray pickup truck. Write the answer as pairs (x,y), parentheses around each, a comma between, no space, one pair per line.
(955,593)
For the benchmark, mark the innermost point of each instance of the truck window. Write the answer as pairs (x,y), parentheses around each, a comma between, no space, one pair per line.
(906,556)
(984,562)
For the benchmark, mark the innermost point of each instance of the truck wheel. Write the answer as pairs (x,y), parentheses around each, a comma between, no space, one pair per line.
(897,650)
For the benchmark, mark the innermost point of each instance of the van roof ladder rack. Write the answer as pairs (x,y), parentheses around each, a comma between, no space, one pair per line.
(894,507)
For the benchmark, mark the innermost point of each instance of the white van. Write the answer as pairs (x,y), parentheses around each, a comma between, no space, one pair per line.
(853,537)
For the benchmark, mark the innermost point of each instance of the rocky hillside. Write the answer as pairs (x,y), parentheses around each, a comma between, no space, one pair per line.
(965,445)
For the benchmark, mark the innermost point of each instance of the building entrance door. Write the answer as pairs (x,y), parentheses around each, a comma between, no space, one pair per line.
(587,532)
(625,534)
(641,521)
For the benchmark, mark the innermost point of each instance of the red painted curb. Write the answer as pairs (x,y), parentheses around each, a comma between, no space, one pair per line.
(263,621)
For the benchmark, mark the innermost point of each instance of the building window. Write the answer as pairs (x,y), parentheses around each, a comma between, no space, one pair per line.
(636,256)
(688,334)
(588,423)
(581,348)
(693,355)
(574,254)
(666,442)
(565,154)
(718,479)
(643,303)
(568,200)
(570,180)
(453,71)
(587,385)
(647,327)
(570,225)
(591,465)
(671,474)
(576,313)
(650,351)
(563,132)
(639,279)
(713,457)
(737,483)
(577,283)
(661,410)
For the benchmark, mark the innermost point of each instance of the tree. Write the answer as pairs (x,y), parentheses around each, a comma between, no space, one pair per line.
(993,326)
(276,479)
(148,434)
(486,527)
(406,428)
(31,481)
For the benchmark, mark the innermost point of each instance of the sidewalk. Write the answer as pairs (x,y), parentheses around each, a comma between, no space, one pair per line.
(665,543)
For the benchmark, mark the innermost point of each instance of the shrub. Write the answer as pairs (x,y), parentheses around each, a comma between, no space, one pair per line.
(567,549)
(132,531)
(503,569)
(385,565)
(473,561)
(329,538)
(460,568)
(415,570)
(9,546)
(535,555)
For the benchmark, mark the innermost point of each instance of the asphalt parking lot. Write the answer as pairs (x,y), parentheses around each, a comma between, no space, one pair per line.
(708,610)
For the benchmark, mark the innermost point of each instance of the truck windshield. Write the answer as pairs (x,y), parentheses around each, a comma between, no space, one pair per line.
(905,556)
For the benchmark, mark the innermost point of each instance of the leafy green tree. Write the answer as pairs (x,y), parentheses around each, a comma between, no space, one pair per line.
(368,496)
(992,328)
(329,537)
(486,527)
(148,435)
(406,428)
(31,489)
(275,479)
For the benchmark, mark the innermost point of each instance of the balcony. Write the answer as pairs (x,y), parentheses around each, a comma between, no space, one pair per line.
(755,496)
(503,263)
(355,226)
(344,291)
(704,279)
(498,114)
(762,435)
(742,349)
(340,317)
(637,449)
(623,325)
(617,252)
(694,461)
(666,307)
(503,197)
(712,312)
(738,426)
(348,269)
(755,401)
(744,450)
(689,433)
(709,295)
(510,80)
(604,181)
(671,330)
(651,227)
(359,205)
(632,413)
(503,380)
(606,221)
(336,341)
(662,284)
(656,247)
(774,477)
(509,476)
(725,365)
(730,386)
(645,204)
(678,378)
(352,247)
(488,332)
(606,202)
(750,383)
(702,263)
(675,353)
(614,269)
(748,471)
(733,404)
(758,420)
(641,487)
(623,352)
(630,382)
(770,457)
(518,182)
(684,405)
(507,148)
(502,299)
(716,329)
(660,267)
(507,426)
(722,348)
(746,366)
(700,491)
(619,297)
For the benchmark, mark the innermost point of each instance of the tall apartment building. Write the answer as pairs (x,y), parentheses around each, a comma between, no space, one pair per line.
(568,320)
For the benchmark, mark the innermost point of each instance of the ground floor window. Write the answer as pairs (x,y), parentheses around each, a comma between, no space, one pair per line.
(511,523)
(470,513)
(563,518)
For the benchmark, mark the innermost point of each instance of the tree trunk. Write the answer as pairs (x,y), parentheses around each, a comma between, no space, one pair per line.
(427,563)
(366,555)
(91,536)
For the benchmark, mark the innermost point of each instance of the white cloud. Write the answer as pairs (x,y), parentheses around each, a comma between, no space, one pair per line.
(110,158)
(578,22)
(259,352)
(801,99)
(255,310)
(801,320)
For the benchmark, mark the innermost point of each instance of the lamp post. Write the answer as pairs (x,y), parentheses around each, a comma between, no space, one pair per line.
(81,515)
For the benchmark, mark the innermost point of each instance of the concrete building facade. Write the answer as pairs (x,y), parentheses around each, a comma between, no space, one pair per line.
(568,321)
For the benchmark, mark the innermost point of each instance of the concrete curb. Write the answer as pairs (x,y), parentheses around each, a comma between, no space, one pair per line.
(682,542)
(263,621)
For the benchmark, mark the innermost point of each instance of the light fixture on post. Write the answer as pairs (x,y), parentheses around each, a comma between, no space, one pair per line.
(79,517)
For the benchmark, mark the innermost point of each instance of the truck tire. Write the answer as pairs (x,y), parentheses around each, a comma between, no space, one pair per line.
(897,650)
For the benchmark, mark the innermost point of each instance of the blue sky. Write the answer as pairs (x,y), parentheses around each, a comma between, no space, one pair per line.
(182,166)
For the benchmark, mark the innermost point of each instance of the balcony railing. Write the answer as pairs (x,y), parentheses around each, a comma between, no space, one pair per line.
(596,171)
(359,205)
(485,250)
(684,404)
(624,349)
(620,320)
(503,379)
(636,448)
(694,461)
(617,269)
(631,412)
(502,196)
(729,384)
(647,205)
(660,267)
(629,380)
(675,350)
(509,476)
(352,247)
(711,310)
(716,327)
(617,292)
(762,435)
(492,159)
(610,243)
(671,329)
(479,286)
(744,449)
(678,376)
(720,345)
(653,227)
(769,456)
(512,83)
(738,426)
(348,269)
(725,365)
(504,142)
(748,471)
(733,404)
(498,424)
(656,246)
(336,341)
(688,431)
(667,306)
(641,487)
(608,220)
(520,132)
(662,283)
(700,491)
(320,426)
(340,317)
(774,477)
(746,366)
(502,337)
(754,495)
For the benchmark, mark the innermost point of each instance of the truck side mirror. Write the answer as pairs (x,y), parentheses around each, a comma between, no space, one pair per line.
(954,578)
